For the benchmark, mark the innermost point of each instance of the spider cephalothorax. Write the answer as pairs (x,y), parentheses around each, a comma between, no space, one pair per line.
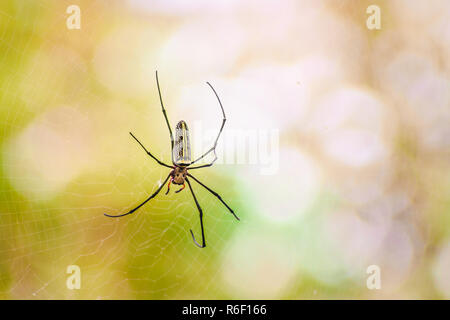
(181,161)
(179,175)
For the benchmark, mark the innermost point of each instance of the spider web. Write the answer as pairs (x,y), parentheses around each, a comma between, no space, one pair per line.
(48,222)
(68,99)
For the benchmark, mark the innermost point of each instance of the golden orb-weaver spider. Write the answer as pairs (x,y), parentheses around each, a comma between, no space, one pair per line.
(181,162)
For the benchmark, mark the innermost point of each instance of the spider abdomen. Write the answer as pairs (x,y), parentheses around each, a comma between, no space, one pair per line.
(182,146)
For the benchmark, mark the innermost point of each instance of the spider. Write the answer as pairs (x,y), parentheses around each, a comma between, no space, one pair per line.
(181,162)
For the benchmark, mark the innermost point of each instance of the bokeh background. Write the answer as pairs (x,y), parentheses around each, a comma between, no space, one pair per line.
(362,119)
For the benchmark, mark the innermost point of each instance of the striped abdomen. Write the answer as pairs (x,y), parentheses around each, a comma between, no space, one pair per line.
(182,146)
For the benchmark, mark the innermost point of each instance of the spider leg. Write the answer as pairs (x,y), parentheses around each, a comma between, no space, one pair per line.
(133,210)
(168,186)
(215,194)
(205,165)
(217,139)
(165,115)
(201,219)
(148,152)
(182,188)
